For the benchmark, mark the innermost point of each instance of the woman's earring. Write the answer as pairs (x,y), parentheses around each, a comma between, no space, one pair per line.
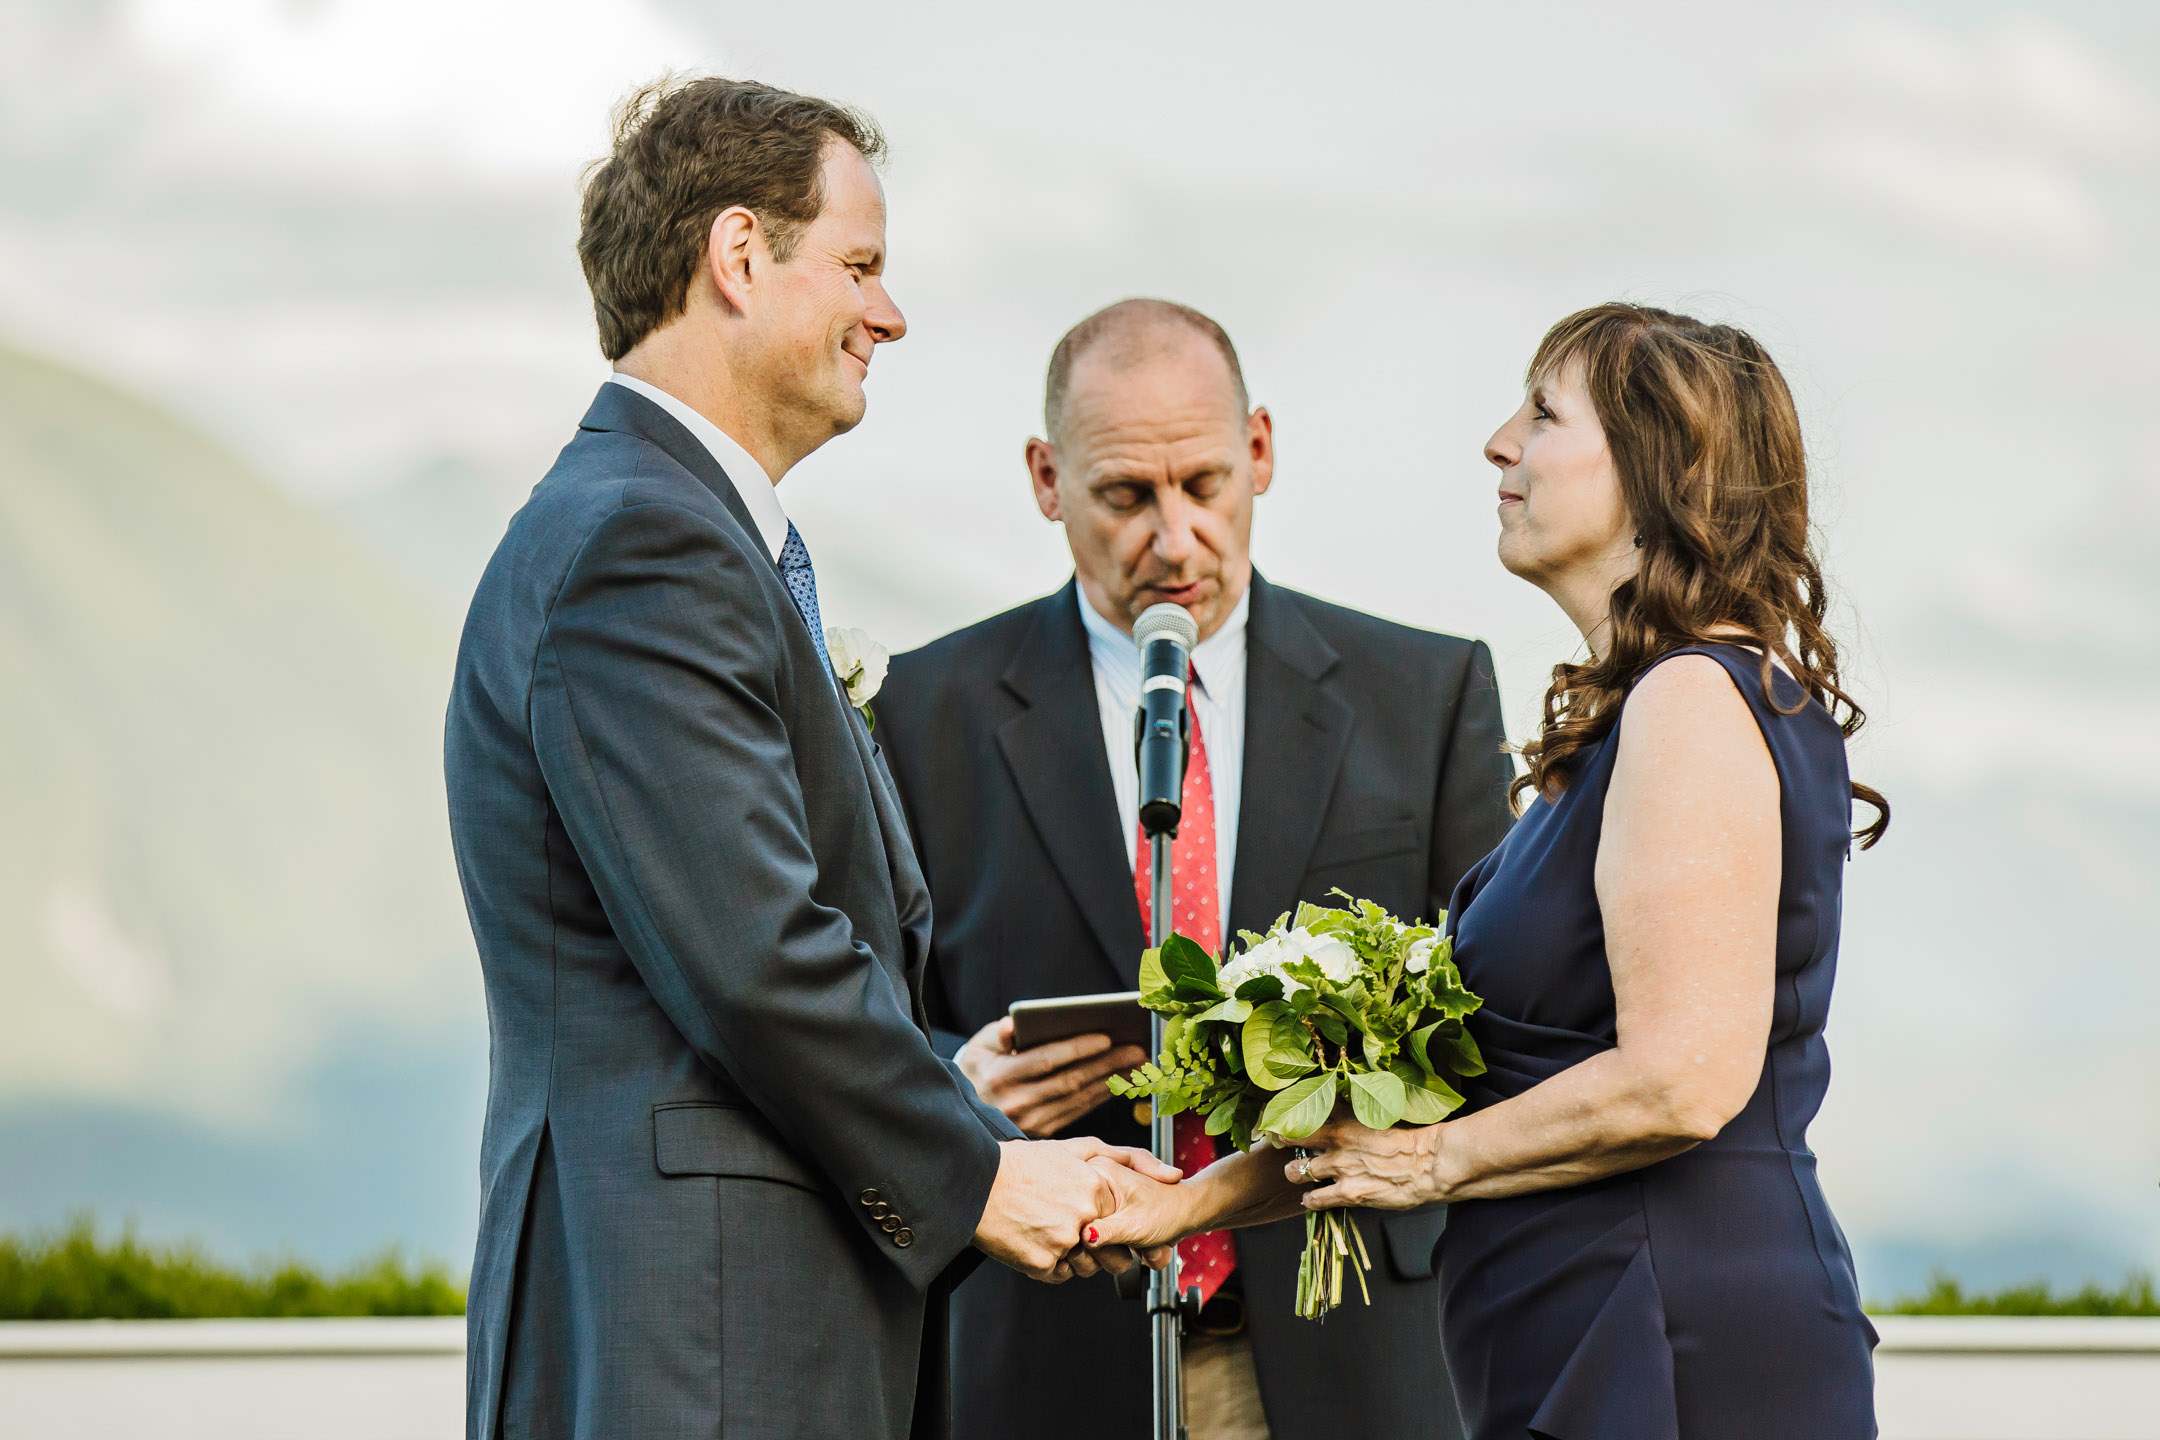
(1638,540)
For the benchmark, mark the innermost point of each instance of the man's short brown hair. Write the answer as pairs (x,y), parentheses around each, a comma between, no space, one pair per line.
(1133,330)
(684,151)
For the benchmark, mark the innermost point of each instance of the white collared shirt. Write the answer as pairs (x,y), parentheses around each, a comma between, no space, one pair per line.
(1218,701)
(759,495)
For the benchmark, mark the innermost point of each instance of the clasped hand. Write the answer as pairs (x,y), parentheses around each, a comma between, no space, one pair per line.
(1342,1163)
(1048,1193)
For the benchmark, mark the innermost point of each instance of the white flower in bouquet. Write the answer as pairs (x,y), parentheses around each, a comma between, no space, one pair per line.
(1272,956)
(1247,965)
(1418,958)
(1335,958)
(859,662)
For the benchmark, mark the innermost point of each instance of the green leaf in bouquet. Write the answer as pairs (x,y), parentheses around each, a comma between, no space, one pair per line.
(1426,1098)
(1420,1042)
(1463,1056)
(1308,915)
(1259,1044)
(1448,995)
(1260,989)
(1386,1023)
(1347,1002)
(1154,983)
(1376,1098)
(1250,1104)
(1219,1118)
(1287,1065)
(1377,1050)
(1331,1027)
(1191,971)
(1423,1105)
(1231,1012)
(1444,1043)
(1301,1109)
(1310,974)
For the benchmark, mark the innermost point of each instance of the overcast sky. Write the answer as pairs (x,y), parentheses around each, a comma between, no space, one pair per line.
(337,235)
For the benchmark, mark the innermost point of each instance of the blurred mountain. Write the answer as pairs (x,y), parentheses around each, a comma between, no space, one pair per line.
(438,524)
(224,841)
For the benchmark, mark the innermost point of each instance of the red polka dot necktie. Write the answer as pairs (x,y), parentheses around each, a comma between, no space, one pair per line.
(1205,1260)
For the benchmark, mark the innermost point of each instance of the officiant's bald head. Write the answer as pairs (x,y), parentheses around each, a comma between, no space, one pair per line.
(1152,456)
(1118,337)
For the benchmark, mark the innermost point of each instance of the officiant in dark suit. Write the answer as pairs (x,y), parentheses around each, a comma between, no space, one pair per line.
(1330,749)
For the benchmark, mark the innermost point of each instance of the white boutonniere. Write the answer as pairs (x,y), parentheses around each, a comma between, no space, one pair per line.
(860,663)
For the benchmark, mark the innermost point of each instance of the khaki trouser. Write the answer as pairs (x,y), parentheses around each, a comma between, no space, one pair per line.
(1222,1389)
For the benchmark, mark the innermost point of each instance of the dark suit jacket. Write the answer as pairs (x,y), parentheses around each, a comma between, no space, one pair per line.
(724,1177)
(1372,762)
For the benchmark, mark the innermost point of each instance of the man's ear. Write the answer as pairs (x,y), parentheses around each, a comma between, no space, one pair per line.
(735,254)
(1260,438)
(1042,464)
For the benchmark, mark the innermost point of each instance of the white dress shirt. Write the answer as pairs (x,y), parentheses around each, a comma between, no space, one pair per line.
(759,495)
(1218,702)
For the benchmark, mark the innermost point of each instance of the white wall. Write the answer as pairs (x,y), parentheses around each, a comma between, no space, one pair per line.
(1936,1379)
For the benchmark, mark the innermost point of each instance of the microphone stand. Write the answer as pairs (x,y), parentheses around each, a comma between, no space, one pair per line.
(1162,730)
(1165,1317)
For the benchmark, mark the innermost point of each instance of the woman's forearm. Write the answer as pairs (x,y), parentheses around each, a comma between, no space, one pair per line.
(1241,1189)
(1236,1191)
(1602,1117)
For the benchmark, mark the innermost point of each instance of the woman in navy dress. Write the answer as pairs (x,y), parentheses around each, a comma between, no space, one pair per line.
(1638,1248)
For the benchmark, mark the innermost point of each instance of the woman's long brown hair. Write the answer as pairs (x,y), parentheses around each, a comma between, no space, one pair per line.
(1707,446)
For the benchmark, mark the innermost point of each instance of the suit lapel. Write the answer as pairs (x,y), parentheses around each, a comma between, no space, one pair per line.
(911,893)
(1054,751)
(1296,733)
(617,407)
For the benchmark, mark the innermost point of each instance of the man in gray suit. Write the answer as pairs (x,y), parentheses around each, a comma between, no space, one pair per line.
(726,1184)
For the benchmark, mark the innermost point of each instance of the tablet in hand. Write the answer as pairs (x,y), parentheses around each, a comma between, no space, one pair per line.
(1118,1015)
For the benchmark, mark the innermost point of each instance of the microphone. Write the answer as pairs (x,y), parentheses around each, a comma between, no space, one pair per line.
(1166,635)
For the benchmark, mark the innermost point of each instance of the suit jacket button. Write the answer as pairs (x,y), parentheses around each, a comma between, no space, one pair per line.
(1143,1112)
(890,1224)
(880,1210)
(903,1237)
(870,1197)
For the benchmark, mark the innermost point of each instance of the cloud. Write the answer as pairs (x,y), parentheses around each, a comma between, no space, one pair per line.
(506,86)
(126,976)
(2001,138)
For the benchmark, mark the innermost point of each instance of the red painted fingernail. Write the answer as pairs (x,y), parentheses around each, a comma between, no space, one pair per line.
(1091,1234)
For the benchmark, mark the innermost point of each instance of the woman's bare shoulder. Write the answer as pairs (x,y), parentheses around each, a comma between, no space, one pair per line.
(1689,704)
(1684,685)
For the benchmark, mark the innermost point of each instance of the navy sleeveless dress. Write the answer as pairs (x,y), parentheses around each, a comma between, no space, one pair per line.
(1706,1297)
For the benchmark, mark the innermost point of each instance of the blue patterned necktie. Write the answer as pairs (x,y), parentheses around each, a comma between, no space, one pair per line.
(802,585)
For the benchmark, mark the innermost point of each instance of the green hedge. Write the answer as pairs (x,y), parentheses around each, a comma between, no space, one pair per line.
(1944,1296)
(73,1275)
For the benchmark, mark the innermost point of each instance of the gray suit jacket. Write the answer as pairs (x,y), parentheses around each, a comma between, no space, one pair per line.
(724,1180)
(1373,762)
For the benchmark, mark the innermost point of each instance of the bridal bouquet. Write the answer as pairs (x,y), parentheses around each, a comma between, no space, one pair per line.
(1329,1005)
